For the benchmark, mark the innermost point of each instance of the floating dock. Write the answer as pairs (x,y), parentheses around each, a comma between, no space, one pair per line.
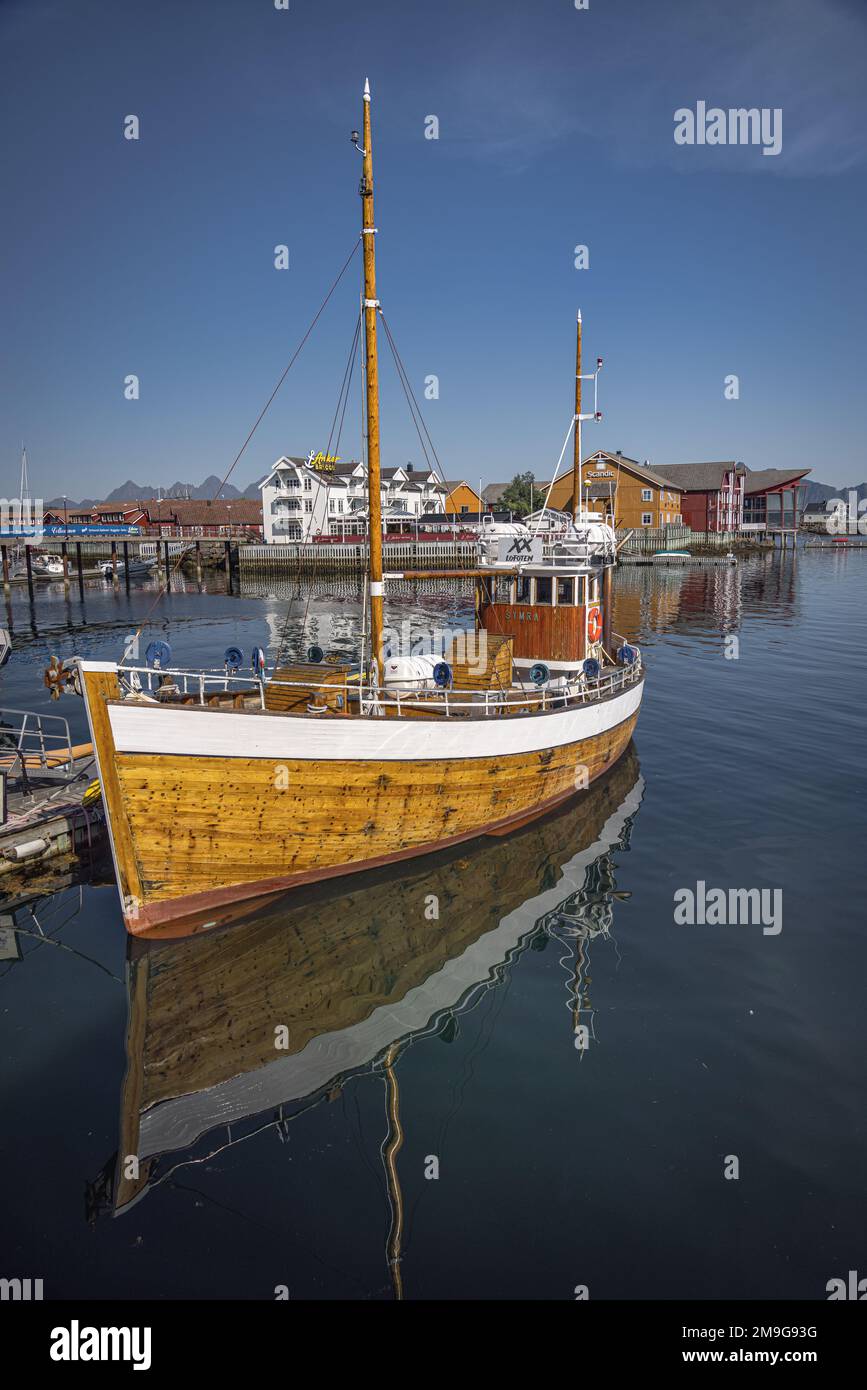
(48,813)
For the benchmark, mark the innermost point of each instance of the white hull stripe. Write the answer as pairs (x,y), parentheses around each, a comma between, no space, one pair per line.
(230,734)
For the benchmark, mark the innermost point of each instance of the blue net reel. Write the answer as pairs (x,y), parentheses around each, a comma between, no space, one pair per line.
(442,674)
(158,655)
(233,659)
(592,668)
(257,661)
(315,654)
(627,656)
(539,673)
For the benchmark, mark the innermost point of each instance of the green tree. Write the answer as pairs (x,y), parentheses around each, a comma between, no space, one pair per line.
(521,496)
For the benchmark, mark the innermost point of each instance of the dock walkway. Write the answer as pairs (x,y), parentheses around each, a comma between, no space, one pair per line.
(45,816)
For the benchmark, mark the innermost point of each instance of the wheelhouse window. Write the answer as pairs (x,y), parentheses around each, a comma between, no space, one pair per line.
(581,586)
(522,589)
(544,591)
(565,593)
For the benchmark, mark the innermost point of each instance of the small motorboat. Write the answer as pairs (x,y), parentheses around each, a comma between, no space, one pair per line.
(47,566)
(136,569)
(664,556)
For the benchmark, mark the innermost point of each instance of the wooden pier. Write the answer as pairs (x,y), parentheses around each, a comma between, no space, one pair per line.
(44,812)
(352,558)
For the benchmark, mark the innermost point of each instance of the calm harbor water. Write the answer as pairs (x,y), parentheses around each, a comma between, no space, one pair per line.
(430,1128)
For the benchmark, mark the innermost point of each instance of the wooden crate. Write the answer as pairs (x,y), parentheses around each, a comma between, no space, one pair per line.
(313,687)
(494,673)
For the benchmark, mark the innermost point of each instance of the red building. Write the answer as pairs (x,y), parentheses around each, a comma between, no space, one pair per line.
(168,516)
(712,494)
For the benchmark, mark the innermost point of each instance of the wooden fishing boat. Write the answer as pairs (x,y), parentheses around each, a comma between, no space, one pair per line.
(349,970)
(219,788)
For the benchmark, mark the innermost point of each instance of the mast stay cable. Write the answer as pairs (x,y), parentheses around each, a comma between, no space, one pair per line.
(185,550)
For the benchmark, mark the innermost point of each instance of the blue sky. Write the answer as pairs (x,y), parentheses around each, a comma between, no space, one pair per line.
(155,256)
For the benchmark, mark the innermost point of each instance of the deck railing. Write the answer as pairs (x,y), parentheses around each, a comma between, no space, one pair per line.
(374,700)
(34,740)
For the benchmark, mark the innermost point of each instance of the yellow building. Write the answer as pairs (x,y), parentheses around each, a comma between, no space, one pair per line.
(463,499)
(630,492)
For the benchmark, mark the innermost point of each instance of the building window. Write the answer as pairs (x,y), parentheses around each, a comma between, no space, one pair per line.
(646,494)
(308,484)
(308,504)
(464,511)
(647,518)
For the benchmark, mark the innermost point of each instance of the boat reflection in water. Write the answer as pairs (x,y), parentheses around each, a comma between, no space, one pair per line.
(275,1015)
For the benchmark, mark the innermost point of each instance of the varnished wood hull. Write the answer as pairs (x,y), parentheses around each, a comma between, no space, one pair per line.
(209,808)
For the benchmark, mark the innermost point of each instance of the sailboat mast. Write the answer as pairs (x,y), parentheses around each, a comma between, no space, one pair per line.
(576,464)
(371,306)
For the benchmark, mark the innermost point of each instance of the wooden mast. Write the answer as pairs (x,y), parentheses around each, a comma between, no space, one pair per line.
(371,306)
(576,464)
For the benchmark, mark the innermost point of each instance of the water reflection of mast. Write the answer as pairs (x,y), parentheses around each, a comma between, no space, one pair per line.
(391,1146)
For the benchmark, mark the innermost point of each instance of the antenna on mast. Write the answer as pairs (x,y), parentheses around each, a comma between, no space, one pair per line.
(595,414)
(24,485)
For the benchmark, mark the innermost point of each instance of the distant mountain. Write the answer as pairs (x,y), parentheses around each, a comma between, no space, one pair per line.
(820,492)
(131,491)
(140,492)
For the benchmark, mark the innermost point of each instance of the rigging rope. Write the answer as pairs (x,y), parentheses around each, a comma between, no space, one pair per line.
(186,549)
(343,395)
(411,401)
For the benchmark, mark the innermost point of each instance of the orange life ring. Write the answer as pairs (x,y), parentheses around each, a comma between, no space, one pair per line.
(594,624)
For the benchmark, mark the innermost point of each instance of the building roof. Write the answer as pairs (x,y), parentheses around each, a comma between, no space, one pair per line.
(493,492)
(643,470)
(701,477)
(766,479)
(243,511)
(103,508)
(462,482)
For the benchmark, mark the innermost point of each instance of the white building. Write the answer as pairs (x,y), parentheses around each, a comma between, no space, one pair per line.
(314,496)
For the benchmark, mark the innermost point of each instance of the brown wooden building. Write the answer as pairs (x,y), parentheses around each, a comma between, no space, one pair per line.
(630,493)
